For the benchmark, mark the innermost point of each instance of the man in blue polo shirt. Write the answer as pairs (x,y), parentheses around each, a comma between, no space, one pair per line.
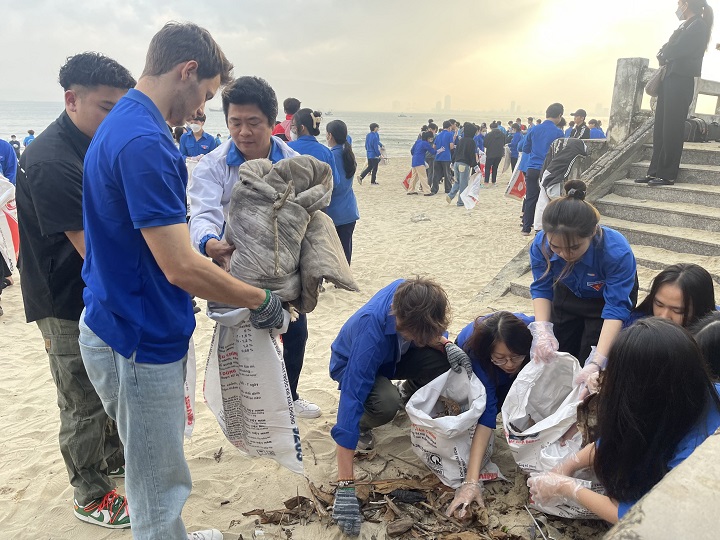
(196,142)
(250,107)
(537,144)
(140,270)
(445,139)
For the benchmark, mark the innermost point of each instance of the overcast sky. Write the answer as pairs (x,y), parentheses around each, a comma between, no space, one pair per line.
(364,55)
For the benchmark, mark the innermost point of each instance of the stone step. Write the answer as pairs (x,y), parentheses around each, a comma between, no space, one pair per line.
(658,259)
(705,195)
(693,153)
(513,303)
(674,239)
(689,174)
(665,214)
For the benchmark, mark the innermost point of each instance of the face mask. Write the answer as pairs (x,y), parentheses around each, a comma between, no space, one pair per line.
(293,136)
(680,13)
(195,128)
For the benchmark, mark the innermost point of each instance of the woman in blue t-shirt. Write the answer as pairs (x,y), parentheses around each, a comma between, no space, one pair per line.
(498,347)
(656,404)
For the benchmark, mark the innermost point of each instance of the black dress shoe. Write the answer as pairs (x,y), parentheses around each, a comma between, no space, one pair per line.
(661,182)
(644,180)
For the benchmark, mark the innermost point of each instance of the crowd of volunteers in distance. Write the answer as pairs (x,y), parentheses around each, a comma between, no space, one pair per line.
(109,264)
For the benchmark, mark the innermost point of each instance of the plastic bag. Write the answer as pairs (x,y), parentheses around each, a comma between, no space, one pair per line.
(516,186)
(9,233)
(443,442)
(247,388)
(190,384)
(471,194)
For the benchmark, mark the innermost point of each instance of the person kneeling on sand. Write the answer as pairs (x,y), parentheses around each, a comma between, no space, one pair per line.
(397,335)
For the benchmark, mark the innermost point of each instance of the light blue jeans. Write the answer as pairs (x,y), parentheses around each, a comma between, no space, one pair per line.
(148,403)
(462,174)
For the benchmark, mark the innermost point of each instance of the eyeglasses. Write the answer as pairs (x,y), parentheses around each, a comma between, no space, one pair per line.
(501,360)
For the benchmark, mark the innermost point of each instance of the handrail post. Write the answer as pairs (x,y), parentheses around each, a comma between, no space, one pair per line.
(627,97)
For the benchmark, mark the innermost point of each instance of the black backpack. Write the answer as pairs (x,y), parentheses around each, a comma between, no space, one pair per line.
(696,130)
(713,133)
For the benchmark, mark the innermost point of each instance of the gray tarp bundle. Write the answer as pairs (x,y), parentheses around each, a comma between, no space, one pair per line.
(283,240)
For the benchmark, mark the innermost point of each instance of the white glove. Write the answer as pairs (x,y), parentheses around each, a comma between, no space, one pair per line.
(594,363)
(464,496)
(552,489)
(544,344)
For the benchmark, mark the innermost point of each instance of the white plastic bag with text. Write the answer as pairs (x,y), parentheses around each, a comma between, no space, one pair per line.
(190,384)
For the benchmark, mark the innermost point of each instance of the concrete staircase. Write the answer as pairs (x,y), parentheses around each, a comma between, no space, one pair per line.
(664,225)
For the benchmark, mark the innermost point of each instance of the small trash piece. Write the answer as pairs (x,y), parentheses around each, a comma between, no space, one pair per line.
(407,496)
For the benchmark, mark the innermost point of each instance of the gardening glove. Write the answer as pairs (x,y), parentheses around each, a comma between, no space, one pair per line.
(594,363)
(552,489)
(458,359)
(346,511)
(269,314)
(464,496)
(544,344)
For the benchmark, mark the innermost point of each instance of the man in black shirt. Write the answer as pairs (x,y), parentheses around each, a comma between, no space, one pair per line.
(52,247)
(16,145)
(581,129)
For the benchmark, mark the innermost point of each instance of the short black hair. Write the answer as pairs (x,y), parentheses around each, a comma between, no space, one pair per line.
(432,125)
(447,124)
(91,69)
(291,105)
(250,90)
(493,125)
(427,135)
(554,110)
(374,126)
(200,118)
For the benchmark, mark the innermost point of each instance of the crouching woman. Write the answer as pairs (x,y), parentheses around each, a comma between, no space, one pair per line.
(657,404)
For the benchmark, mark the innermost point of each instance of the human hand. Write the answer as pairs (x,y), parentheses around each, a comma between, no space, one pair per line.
(464,497)
(458,359)
(220,251)
(594,363)
(544,344)
(552,489)
(568,466)
(346,511)
(269,314)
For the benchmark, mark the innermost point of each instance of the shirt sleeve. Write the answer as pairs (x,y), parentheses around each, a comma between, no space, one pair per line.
(368,350)
(152,181)
(183,146)
(205,192)
(489,417)
(10,163)
(690,42)
(56,191)
(527,145)
(619,282)
(542,285)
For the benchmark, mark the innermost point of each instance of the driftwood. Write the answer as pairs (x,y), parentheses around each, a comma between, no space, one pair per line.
(400,526)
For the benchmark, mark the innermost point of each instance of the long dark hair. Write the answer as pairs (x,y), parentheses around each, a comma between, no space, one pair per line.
(338,129)
(500,327)
(696,285)
(707,336)
(655,388)
(310,119)
(701,7)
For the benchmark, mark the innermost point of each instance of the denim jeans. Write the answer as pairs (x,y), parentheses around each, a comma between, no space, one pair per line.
(148,403)
(86,447)
(462,174)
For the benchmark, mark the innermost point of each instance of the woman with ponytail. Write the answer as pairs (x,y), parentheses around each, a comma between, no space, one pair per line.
(343,207)
(682,58)
(304,129)
(585,282)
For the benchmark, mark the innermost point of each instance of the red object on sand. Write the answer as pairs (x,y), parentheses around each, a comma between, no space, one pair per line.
(406,182)
(516,186)
(9,211)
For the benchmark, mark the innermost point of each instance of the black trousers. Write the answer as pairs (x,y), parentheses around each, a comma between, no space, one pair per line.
(441,169)
(513,162)
(492,163)
(372,167)
(532,192)
(673,104)
(577,322)
(418,366)
(431,167)
(345,233)
(294,341)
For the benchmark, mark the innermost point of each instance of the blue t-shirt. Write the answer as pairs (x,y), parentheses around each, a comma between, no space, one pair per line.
(27,140)
(538,141)
(705,427)
(418,151)
(372,144)
(497,384)
(443,140)
(189,147)
(343,208)
(606,270)
(134,179)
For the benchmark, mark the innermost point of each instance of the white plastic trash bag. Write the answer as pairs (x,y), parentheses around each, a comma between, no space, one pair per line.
(443,442)
(9,236)
(471,193)
(540,408)
(247,388)
(190,384)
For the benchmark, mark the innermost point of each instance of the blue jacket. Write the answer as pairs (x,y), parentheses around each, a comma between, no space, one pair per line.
(525,158)
(367,346)
(189,147)
(480,141)
(308,145)
(497,384)
(514,150)
(568,132)
(607,270)
(343,207)
(538,141)
(418,151)
(373,144)
(502,128)
(27,140)
(8,161)
(597,133)
(443,140)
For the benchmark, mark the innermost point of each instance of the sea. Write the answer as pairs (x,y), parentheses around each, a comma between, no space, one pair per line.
(398,131)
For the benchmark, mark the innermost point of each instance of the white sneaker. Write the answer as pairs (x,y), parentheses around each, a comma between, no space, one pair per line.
(306,409)
(208,534)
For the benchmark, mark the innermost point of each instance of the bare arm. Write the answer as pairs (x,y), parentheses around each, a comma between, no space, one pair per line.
(184,268)
(77,239)
(610,329)
(480,441)
(601,505)
(543,308)
(345,457)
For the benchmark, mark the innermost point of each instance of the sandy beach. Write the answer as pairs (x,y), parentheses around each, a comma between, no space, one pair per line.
(397,236)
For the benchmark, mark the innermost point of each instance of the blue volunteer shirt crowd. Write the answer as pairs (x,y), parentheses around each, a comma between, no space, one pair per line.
(190,147)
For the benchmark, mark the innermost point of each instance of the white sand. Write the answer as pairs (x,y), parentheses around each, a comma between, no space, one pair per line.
(462,250)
